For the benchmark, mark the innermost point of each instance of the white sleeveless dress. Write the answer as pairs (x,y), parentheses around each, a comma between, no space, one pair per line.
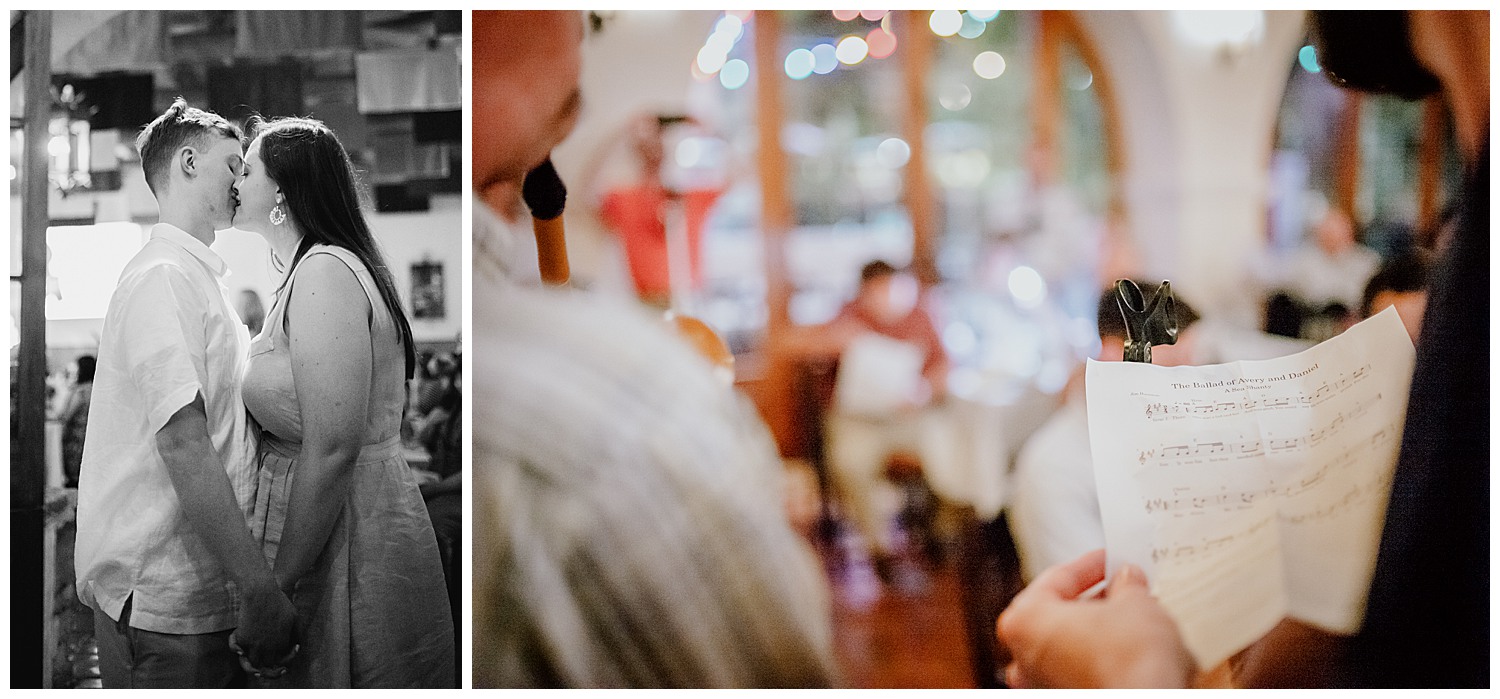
(374,609)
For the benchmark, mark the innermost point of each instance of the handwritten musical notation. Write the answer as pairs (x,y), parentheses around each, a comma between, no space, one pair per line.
(1203,408)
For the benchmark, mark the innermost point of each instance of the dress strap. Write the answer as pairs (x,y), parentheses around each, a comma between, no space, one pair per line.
(381,316)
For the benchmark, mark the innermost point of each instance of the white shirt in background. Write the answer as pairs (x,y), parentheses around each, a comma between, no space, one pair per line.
(1053,509)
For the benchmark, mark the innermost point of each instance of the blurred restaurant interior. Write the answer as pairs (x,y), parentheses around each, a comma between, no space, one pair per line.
(83,83)
(1016,163)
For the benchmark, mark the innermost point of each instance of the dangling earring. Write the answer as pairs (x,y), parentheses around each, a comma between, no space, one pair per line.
(278,216)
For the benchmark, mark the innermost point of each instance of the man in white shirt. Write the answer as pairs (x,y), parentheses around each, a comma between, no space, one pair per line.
(165,556)
(1054,506)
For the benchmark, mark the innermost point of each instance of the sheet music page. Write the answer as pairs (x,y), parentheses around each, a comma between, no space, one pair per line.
(1250,491)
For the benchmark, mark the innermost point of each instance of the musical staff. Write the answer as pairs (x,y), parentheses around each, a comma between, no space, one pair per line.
(1195,451)
(1208,409)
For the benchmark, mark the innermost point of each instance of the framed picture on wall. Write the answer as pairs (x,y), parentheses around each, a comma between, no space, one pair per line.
(427,298)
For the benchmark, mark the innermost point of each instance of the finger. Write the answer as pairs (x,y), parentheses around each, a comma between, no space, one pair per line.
(1068,580)
(1128,580)
(247,666)
(289,656)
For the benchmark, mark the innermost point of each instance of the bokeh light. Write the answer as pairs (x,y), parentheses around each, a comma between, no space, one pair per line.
(845,15)
(989,65)
(731,26)
(799,64)
(1081,80)
(852,50)
(825,59)
(970,28)
(710,59)
(1308,57)
(955,96)
(734,74)
(882,43)
(945,22)
(1027,286)
(893,153)
(984,15)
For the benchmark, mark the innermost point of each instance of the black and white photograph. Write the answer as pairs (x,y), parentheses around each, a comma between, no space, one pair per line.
(235,435)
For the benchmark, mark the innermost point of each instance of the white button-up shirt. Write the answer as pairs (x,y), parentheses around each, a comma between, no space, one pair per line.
(170,333)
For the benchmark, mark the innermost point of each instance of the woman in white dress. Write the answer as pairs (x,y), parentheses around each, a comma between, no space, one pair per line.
(337,509)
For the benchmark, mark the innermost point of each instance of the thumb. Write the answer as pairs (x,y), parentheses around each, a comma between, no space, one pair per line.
(1129,580)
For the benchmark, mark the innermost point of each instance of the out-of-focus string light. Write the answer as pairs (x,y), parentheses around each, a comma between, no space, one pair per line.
(711,59)
(799,64)
(734,74)
(731,26)
(893,153)
(955,96)
(970,28)
(1082,80)
(852,50)
(945,22)
(825,59)
(744,15)
(984,15)
(1308,57)
(989,65)
(873,15)
(697,72)
(1027,286)
(845,15)
(882,43)
(715,52)
(885,23)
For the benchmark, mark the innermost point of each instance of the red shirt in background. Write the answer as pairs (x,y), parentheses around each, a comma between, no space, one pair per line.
(636,214)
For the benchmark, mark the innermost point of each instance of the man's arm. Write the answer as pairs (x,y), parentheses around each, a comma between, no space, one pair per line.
(267,619)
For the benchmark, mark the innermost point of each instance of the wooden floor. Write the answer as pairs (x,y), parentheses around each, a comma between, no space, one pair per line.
(908,635)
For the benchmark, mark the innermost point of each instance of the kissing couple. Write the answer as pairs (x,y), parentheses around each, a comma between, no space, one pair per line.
(245,514)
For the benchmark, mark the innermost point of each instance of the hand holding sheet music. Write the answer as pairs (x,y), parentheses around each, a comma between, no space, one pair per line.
(1251,491)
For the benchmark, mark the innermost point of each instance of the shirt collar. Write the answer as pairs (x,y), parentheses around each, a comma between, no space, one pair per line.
(194,247)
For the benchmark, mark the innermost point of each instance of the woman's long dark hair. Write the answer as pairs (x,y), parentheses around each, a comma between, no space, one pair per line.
(308,163)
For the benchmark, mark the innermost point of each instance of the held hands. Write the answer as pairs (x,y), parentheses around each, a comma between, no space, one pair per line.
(1122,639)
(266,639)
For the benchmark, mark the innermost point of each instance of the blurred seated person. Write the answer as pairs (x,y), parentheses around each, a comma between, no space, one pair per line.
(893,374)
(640,211)
(75,419)
(1054,507)
(434,377)
(1402,283)
(1322,281)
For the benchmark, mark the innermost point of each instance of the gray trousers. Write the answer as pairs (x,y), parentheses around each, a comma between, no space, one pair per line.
(135,658)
